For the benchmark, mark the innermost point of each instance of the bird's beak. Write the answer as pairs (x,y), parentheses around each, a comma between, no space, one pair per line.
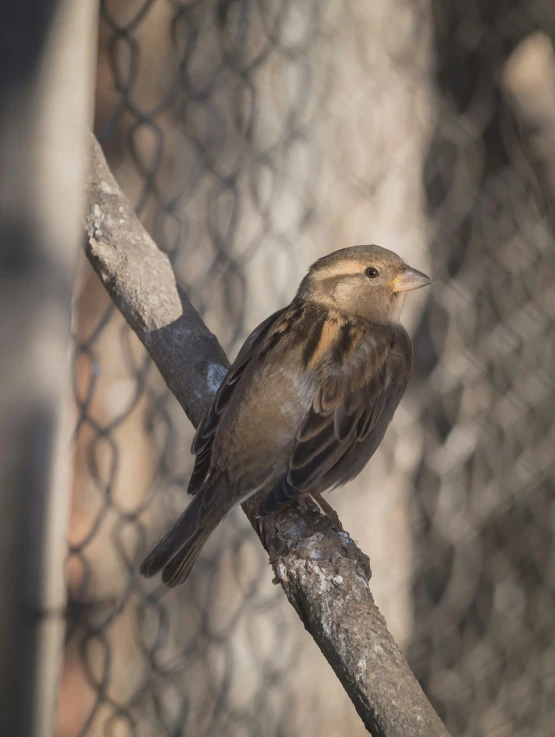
(410,279)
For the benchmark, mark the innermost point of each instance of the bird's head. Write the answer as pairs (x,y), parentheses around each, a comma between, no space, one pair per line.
(365,281)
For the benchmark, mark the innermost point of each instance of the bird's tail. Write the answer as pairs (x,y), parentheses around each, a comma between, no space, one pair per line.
(176,553)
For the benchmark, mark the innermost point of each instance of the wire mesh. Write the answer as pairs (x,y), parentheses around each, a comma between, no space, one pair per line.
(253,137)
(484,577)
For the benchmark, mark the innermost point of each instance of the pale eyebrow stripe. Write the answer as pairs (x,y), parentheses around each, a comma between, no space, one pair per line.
(343,268)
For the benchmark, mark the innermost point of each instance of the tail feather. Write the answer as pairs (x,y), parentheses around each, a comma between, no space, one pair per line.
(178,570)
(172,543)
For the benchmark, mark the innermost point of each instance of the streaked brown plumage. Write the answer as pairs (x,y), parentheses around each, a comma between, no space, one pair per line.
(306,402)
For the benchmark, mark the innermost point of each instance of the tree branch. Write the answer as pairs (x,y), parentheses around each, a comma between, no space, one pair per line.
(323,573)
(528,83)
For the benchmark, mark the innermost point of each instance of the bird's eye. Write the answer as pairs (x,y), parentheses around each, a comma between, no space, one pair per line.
(371,272)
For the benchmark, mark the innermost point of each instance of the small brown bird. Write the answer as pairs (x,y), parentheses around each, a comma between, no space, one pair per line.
(307,400)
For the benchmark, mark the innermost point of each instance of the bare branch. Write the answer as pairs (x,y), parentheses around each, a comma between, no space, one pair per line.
(323,573)
(528,82)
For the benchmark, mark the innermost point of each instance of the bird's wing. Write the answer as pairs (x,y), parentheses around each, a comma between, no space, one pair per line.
(348,407)
(204,436)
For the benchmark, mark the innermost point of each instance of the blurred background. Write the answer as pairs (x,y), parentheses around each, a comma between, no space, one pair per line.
(253,137)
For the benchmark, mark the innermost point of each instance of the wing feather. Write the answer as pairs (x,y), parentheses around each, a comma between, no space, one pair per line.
(347,408)
(204,436)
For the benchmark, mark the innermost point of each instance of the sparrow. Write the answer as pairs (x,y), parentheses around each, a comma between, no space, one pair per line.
(306,402)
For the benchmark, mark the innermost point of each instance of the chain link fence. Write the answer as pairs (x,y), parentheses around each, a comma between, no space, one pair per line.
(252,138)
(484,644)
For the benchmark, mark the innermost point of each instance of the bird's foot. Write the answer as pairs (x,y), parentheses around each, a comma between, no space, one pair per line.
(326,509)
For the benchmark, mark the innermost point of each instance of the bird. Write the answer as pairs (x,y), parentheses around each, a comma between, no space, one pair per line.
(305,404)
